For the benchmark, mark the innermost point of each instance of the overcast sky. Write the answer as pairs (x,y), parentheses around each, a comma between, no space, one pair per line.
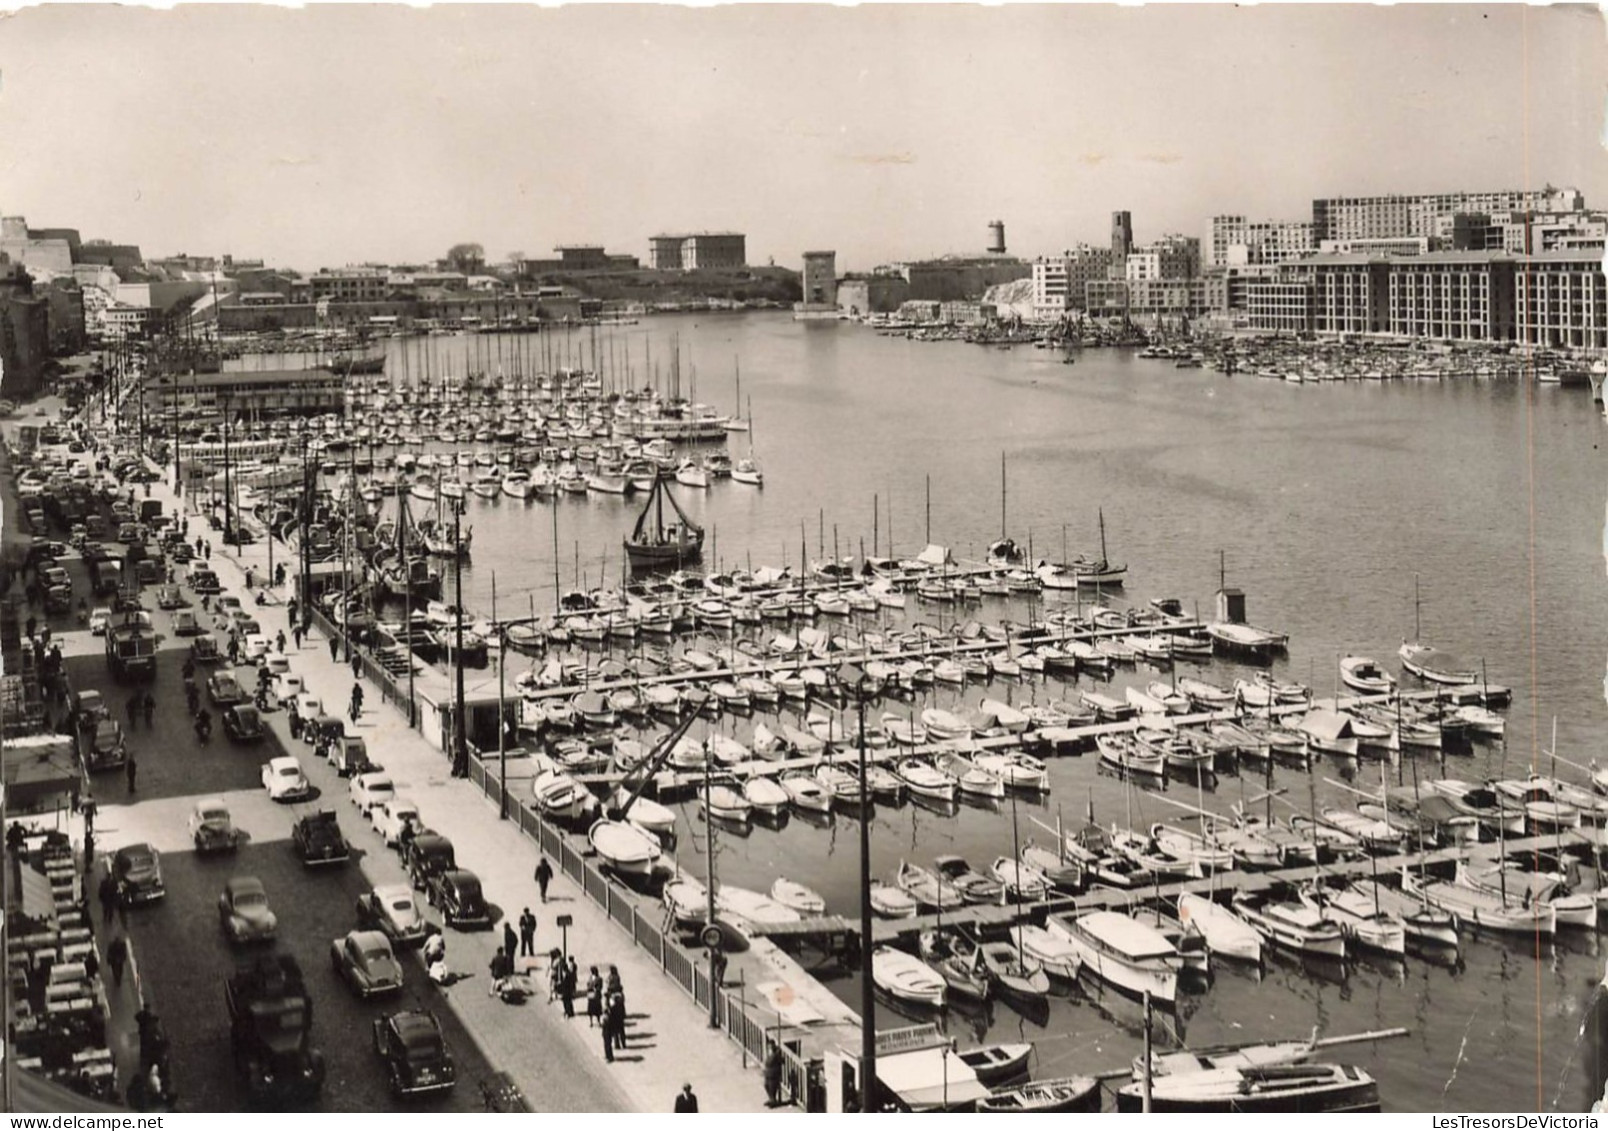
(331,135)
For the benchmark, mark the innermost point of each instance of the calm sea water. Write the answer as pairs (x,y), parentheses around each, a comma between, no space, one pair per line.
(1325,501)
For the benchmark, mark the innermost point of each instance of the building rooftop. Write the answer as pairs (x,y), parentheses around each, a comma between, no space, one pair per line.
(689,235)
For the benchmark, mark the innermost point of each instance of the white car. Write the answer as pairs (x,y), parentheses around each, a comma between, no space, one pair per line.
(307,707)
(371,789)
(284,780)
(98,620)
(276,663)
(257,646)
(286,688)
(391,817)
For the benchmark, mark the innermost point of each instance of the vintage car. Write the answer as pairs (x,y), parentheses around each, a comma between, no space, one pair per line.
(306,707)
(104,747)
(243,625)
(393,910)
(349,756)
(371,788)
(212,829)
(285,689)
(317,839)
(91,705)
(426,854)
(224,689)
(137,872)
(255,647)
(186,624)
(456,893)
(414,1052)
(243,912)
(324,732)
(391,817)
(276,662)
(284,780)
(204,581)
(365,960)
(226,607)
(99,618)
(204,650)
(171,597)
(242,723)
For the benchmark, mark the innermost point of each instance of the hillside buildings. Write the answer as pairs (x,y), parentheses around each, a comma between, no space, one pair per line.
(699,251)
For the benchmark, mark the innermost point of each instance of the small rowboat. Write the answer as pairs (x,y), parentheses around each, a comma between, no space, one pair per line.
(1022,881)
(795,896)
(994,1064)
(1015,972)
(726,804)
(1058,957)
(1071,1093)
(891,903)
(688,901)
(906,978)
(646,814)
(624,846)
(805,793)
(765,795)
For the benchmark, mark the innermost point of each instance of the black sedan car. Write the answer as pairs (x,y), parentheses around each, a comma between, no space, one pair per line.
(426,855)
(224,690)
(415,1052)
(317,839)
(242,723)
(457,895)
(137,872)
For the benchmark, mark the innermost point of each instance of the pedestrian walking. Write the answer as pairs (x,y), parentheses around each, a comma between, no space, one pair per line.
(290,611)
(614,1018)
(117,958)
(508,939)
(296,635)
(527,936)
(594,998)
(773,1075)
(279,641)
(687,1101)
(206,551)
(150,709)
(250,577)
(133,709)
(544,876)
(608,1041)
(108,897)
(499,971)
(555,973)
(131,771)
(91,964)
(566,991)
(295,724)
(357,666)
(613,986)
(334,650)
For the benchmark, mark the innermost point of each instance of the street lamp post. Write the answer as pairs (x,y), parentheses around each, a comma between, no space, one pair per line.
(502,722)
(460,758)
(851,676)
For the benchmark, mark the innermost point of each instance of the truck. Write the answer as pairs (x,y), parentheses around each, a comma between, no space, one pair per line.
(130,647)
(107,575)
(270,1030)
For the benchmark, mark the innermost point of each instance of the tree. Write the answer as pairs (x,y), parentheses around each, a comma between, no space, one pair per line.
(468,258)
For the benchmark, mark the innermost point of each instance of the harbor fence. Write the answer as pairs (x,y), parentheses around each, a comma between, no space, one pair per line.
(749,1022)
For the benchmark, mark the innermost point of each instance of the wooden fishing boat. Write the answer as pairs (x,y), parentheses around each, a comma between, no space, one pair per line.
(923,779)
(1362,673)
(753,908)
(1365,925)
(994,1064)
(1123,953)
(688,900)
(973,886)
(892,903)
(797,897)
(957,960)
(1294,926)
(805,793)
(654,544)
(1061,873)
(1070,1093)
(1015,972)
(1274,1088)
(1021,881)
(1477,907)
(927,888)
(624,846)
(906,978)
(1226,934)
(766,795)
(726,804)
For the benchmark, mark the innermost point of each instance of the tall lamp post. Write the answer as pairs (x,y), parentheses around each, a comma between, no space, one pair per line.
(460,755)
(853,678)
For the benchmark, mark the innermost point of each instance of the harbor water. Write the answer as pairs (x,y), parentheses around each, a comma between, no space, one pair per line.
(1325,501)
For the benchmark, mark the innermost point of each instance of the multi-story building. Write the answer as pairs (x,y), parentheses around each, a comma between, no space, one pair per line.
(1560,299)
(1145,298)
(1384,217)
(1171,257)
(1060,282)
(1233,241)
(353,285)
(699,251)
(877,293)
(1280,303)
(1401,245)
(820,286)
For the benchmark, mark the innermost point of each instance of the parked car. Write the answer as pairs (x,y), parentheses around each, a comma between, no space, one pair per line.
(317,839)
(186,624)
(204,581)
(350,757)
(255,648)
(306,707)
(456,893)
(171,597)
(245,626)
(204,650)
(428,853)
(393,910)
(243,912)
(366,962)
(226,607)
(276,662)
(212,829)
(284,689)
(99,618)
(414,1051)
(242,723)
(368,790)
(324,731)
(137,872)
(224,689)
(106,745)
(284,780)
(391,817)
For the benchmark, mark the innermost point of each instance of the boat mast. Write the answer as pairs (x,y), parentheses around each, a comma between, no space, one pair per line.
(1002,496)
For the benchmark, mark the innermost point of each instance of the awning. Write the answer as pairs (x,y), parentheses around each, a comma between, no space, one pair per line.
(934,556)
(1322,723)
(38,903)
(930,1078)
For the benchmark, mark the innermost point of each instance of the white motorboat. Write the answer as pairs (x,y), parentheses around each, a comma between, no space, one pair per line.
(1226,934)
(1122,952)
(561,796)
(687,899)
(892,903)
(1478,907)
(906,978)
(725,803)
(691,474)
(1058,957)
(516,485)
(1022,881)
(1016,769)
(1365,925)
(765,794)
(1435,666)
(902,730)
(805,793)
(970,778)
(942,725)
(624,846)
(1362,673)
(796,896)
(1295,926)
(646,814)
(752,908)
(924,779)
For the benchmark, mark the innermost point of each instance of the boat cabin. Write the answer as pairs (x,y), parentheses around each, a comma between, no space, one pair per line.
(918,1069)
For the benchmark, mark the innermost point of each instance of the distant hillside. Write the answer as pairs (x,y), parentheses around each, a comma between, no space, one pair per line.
(748,284)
